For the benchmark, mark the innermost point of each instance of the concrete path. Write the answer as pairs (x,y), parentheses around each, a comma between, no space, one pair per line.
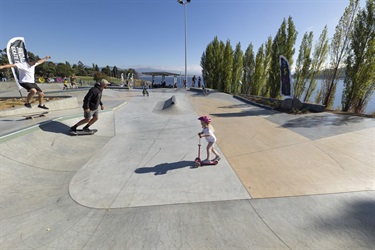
(284,181)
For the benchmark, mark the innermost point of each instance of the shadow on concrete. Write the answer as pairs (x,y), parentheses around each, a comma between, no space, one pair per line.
(55,127)
(358,221)
(235,106)
(252,112)
(322,120)
(163,168)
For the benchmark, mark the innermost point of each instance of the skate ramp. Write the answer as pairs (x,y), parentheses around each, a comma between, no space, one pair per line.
(150,161)
(169,102)
(175,105)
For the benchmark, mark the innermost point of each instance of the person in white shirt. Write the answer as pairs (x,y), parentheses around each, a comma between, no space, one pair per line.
(208,133)
(27,79)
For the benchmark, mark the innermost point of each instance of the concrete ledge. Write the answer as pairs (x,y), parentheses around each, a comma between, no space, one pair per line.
(195,89)
(67,102)
(312,107)
(250,102)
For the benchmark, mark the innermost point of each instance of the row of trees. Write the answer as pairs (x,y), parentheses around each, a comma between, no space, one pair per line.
(351,52)
(51,69)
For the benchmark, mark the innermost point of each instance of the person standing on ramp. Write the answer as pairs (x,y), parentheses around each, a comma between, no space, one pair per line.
(90,106)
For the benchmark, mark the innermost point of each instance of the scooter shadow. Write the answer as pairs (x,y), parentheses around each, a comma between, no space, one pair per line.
(163,168)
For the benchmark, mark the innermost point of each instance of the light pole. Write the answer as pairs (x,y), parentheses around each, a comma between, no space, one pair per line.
(184,4)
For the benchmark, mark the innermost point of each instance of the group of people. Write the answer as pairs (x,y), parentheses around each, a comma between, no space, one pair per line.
(92,101)
(73,83)
(199,81)
(26,79)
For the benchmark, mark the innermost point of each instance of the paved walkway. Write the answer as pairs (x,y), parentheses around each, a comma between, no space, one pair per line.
(285,181)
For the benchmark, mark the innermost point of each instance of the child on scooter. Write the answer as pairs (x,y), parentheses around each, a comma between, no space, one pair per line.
(208,133)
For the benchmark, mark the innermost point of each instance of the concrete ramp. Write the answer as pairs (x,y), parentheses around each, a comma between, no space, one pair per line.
(150,162)
(171,101)
(173,106)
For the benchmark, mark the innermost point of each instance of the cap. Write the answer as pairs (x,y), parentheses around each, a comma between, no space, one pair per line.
(104,81)
(205,119)
(30,58)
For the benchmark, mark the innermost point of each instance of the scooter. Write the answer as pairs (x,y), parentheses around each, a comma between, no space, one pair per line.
(198,161)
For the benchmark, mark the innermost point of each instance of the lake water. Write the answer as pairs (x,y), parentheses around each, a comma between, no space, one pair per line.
(370,108)
(336,104)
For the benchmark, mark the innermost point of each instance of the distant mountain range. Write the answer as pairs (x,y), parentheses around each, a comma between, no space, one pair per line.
(140,70)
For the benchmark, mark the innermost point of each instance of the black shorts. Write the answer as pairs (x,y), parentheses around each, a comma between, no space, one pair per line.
(28,86)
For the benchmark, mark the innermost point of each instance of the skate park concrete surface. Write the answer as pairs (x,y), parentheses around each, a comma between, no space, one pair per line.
(284,181)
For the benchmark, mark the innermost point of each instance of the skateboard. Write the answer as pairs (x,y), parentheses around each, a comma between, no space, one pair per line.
(81,132)
(35,115)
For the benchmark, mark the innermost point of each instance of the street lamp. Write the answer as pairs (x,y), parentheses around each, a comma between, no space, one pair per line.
(184,4)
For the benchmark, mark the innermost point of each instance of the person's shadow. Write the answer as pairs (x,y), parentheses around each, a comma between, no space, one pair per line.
(163,168)
(55,127)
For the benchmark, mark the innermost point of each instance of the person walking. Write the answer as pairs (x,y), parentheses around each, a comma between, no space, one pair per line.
(208,133)
(27,79)
(65,83)
(193,80)
(90,106)
(144,89)
(73,83)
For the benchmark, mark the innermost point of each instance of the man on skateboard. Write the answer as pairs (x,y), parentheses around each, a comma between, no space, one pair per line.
(27,79)
(90,106)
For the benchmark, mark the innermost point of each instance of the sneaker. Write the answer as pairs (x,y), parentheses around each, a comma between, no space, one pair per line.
(27,105)
(42,106)
(73,129)
(86,129)
(217,158)
(206,161)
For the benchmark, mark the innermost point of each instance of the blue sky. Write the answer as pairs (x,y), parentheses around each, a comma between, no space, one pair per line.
(150,33)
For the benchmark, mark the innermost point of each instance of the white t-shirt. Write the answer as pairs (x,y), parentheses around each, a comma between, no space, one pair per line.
(26,72)
(211,137)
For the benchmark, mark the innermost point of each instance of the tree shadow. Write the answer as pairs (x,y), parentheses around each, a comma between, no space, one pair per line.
(235,106)
(250,112)
(358,222)
(163,168)
(55,127)
(322,120)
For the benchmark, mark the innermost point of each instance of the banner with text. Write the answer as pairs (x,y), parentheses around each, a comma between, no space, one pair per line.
(16,51)
(285,78)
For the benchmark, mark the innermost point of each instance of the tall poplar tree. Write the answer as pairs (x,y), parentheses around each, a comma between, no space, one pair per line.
(248,67)
(265,87)
(283,44)
(290,41)
(217,63)
(208,66)
(303,64)
(360,71)
(320,56)
(258,72)
(237,69)
(227,67)
(339,51)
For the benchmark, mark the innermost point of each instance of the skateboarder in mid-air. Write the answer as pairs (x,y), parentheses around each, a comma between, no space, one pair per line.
(90,106)
(27,79)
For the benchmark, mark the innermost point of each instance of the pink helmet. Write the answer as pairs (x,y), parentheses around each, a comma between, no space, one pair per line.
(205,119)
